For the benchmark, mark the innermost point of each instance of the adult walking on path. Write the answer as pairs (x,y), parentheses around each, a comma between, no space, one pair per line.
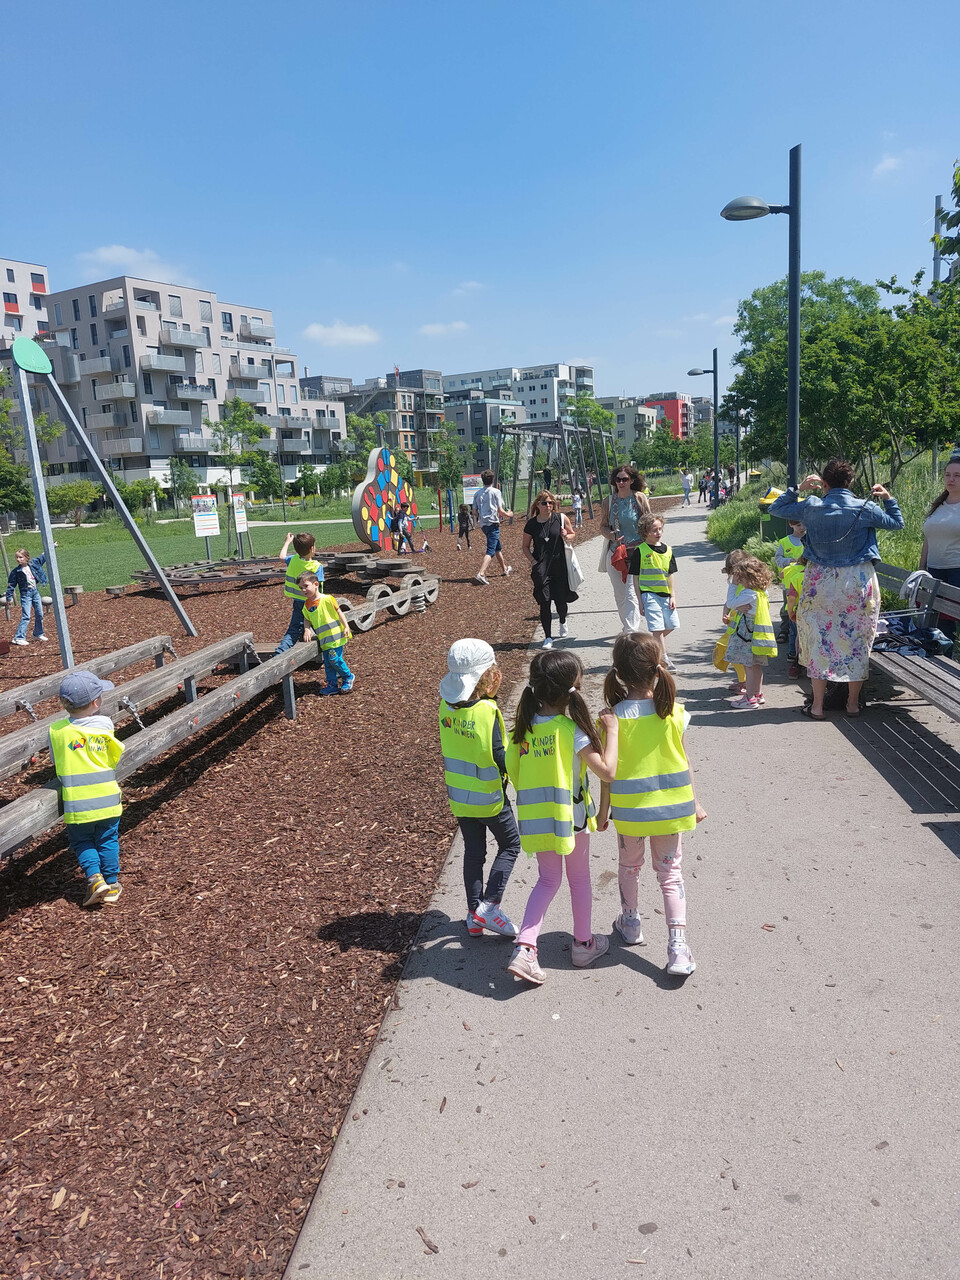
(687,481)
(941,537)
(840,601)
(488,507)
(544,536)
(619,514)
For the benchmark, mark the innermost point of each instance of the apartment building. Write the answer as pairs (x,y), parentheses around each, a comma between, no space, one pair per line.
(475,413)
(544,390)
(677,408)
(633,420)
(25,290)
(412,401)
(144,364)
(702,410)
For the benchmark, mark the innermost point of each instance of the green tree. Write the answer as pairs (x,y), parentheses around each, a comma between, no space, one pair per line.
(16,492)
(71,498)
(663,450)
(333,478)
(236,434)
(363,430)
(180,480)
(263,474)
(137,496)
(453,454)
(308,479)
(950,245)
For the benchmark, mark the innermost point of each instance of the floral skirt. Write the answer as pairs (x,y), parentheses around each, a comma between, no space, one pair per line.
(837,620)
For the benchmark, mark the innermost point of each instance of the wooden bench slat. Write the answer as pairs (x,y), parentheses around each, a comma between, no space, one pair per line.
(47,686)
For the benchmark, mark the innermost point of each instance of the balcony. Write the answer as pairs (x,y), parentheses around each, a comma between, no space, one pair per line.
(273,444)
(170,417)
(190,391)
(115,306)
(250,370)
(163,364)
(144,304)
(183,338)
(115,391)
(261,332)
(66,366)
(252,396)
(119,448)
(101,364)
(195,444)
(98,421)
(227,341)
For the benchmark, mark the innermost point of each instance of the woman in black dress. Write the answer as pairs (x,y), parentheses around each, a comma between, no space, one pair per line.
(544,536)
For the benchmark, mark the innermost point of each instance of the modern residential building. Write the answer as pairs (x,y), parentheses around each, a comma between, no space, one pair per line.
(144,364)
(412,401)
(633,420)
(25,289)
(544,390)
(677,409)
(702,410)
(476,414)
(323,386)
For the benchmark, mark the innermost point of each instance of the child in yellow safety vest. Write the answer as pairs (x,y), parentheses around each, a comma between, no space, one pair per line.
(654,565)
(302,561)
(554,742)
(793,587)
(739,685)
(652,793)
(85,755)
(751,642)
(788,552)
(473,742)
(327,625)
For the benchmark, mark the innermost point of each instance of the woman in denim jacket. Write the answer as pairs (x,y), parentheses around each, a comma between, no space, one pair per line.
(840,602)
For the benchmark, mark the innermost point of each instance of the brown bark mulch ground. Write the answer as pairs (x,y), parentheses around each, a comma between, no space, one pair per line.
(175,1068)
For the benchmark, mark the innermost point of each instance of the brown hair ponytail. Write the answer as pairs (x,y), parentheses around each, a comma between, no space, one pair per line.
(553,674)
(636,665)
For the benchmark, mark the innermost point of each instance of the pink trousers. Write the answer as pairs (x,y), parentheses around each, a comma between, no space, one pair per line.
(552,866)
(666,854)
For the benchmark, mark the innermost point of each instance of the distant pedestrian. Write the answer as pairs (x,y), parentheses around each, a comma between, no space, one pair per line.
(704,482)
(687,481)
(28,576)
(463,526)
(488,507)
(578,509)
(547,477)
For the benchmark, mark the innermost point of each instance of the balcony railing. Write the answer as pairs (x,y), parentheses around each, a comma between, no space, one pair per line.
(250,330)
(66,366)
(227,341)
(100,364)
(252,395)
(163,364)
(118,333)
(170,417)
(190,391)
(143,304)
(115,391)
(96,421)
(250,370)
(115,306)
(183,338)
(119,448)
(195,444)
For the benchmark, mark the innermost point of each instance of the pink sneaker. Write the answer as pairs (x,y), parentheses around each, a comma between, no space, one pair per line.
(745,704)
(584,953)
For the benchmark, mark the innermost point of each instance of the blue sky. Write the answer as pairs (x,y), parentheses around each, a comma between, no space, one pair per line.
(462,186)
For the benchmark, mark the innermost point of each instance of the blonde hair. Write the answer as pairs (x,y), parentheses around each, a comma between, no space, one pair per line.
(488,684)
(551,497)
(753,573)
(645,524)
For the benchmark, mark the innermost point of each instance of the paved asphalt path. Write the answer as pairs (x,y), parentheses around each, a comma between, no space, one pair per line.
(790,1110)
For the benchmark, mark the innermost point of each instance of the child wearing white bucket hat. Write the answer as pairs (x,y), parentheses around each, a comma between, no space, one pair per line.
(472,738)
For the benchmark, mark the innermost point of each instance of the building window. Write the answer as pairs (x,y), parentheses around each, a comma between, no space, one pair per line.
(281,393)
(76,308)
(58,313)
(126,357)
(243,319)
(133,413)
(153,437)
(621,418)
(10,274)
(214,362)
(15,323)
(147,385)
(226,321)
(206,310)
(267,393)
(37,302)
(42,326)
(206,334)
(294,397)
(93,335)
(174,305)
(141,326)
(543,400)
(92,304)
(198,365)
(75,339)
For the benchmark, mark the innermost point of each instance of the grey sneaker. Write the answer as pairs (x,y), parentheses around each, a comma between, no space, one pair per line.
(563,632)
(583,954)
(679,960)
(97,887)
(18,640)
(627,924)
(523,965)
(484,582)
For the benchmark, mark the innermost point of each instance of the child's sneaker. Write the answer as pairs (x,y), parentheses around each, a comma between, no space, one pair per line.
(42,639)
(113,893)
(474,928)
(489,916)
(347,686)
(627,924)
(524,965)
(19,640)
(679,960)
(745,704)
(329,690)
(584,953)
(97,887)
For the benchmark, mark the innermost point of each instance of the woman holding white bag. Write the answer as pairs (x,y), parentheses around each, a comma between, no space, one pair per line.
(545,535)
(618,524)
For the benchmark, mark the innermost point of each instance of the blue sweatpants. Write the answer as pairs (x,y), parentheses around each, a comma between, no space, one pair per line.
(97,846)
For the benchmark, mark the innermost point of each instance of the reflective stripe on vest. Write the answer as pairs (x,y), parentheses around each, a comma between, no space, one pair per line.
(654,570)
(541,769)
(84,761)
(652,793)
(764,637)
(474,785)
(294,570)
(793,577)
(324,621)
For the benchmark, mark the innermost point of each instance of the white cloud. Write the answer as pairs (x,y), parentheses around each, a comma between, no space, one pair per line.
(889,164)
(724,321)
(667,333)
(468,286)
(120,259)
(441,330)
(339,334)
(698,318)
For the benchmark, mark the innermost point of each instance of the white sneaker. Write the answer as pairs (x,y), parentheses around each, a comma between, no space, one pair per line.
(484,582)
(524,964)
(42,639)
(547,644)
(489,916)
(563,632)
(745,704)
(669,663)
(627,924)
(508,570)
(17,640)
(679,960)
(583,954)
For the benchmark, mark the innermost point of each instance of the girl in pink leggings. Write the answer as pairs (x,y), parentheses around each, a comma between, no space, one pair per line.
(553,743)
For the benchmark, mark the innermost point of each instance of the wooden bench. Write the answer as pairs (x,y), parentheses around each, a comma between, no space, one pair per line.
(935,679)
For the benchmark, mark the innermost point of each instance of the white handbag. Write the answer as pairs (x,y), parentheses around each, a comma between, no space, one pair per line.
(574,572)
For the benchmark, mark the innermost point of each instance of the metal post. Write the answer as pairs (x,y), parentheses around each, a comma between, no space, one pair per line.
(530,474)
(583,470)
(111,490)
(737,429)
(716,435)
(793,324)
(937,223)
(207,543)
(43,516)
(516,473)
(596,464)
(496,461)
(565,451)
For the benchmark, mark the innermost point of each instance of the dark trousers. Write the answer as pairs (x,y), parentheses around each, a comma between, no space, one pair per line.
(952,578)
(503,827)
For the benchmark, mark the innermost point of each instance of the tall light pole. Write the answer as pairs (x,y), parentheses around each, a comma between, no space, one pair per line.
(695,373)
(743,209)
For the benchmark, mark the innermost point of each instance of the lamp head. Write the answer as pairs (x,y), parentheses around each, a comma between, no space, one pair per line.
(744,208)
(695,373)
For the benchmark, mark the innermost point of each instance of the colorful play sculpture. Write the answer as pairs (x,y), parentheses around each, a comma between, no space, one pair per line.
(376,498)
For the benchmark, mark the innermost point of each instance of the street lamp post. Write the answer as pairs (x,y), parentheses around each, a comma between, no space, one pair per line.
(743,209)
(695,373)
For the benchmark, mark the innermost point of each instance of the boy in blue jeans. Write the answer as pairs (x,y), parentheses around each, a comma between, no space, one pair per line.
(85,755)
(301,561)
(28,576)
(321,614)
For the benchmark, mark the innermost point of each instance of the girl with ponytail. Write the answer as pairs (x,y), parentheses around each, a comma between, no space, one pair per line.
(651,793)
(554,742)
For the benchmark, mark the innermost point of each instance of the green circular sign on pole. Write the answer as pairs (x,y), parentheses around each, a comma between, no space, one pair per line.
(31,357)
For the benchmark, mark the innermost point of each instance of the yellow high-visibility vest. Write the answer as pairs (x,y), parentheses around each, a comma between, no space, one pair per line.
(324,621)
(86,764)
(474,784)
(543,768)
(793,577)
(652,793)
(791,550)
(654,570)
(294,570)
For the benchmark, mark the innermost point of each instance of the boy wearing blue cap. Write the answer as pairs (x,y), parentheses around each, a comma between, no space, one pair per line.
(85,754)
